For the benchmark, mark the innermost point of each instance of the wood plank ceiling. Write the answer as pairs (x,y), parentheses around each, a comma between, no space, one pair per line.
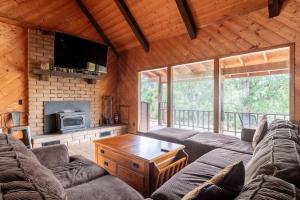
(157,19)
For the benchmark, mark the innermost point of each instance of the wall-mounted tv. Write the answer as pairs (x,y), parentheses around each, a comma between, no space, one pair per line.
(75,53)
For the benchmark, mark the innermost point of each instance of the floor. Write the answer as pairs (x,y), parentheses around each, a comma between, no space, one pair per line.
(86,149)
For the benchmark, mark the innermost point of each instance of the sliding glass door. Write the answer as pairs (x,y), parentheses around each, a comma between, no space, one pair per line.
(153,100)
(193,95)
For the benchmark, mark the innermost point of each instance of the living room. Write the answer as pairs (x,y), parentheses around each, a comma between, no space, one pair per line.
(150,99)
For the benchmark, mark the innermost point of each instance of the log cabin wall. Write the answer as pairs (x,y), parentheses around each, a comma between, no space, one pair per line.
(239,34)
(13,67)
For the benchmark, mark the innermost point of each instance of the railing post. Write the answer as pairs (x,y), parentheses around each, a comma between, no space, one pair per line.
(198,116)
(234,124)
(193,120)
(208,120)
(179,121)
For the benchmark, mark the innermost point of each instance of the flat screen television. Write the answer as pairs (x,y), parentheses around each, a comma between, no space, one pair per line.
(76,53)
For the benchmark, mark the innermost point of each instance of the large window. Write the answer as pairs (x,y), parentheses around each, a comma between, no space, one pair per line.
(193,95)
(153,100)
(224,97)
(254,85)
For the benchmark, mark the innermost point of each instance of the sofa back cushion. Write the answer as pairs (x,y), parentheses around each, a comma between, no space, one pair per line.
(52,156)
(278,155)
(269,188)
(22,176)
(280,123)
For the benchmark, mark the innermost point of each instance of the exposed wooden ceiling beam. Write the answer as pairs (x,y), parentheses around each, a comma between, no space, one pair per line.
(133,24)
(97,27)
(274,7)
(187,18)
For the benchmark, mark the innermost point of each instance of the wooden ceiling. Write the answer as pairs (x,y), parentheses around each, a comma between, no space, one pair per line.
(157,19)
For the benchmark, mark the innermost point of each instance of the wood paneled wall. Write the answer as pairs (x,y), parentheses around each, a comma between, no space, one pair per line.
(13,68)
(239,34)
(108,86)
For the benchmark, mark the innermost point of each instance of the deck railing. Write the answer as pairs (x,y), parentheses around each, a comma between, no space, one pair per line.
(232,122)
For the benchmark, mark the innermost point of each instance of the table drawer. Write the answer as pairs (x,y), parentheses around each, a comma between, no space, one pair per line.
(130,163)
(108,164)
(133,178)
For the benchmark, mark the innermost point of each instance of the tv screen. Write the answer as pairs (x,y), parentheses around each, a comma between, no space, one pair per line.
(76,53)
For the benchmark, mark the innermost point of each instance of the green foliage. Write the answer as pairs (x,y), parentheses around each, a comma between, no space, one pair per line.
(262,94)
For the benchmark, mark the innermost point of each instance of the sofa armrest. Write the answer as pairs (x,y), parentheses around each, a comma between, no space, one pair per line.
(52,156)
(247,134)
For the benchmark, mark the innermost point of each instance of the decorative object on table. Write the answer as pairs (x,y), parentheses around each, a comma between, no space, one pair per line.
(124,114)
(107,115)
(17,126)
(117,118)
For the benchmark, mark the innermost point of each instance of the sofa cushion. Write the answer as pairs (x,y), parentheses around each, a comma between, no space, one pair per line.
(279,158)
(104,188)
(25,176)
(52,156)
(202,143)
(79,170)
(185,180)
(260,131)
(280,123)
(226,184)
(269,188)
(282,133)
(175,135)
(223,157)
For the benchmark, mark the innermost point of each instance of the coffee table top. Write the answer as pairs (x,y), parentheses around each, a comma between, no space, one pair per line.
(139,146)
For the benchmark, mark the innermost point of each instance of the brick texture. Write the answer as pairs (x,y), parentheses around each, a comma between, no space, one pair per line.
(41,49)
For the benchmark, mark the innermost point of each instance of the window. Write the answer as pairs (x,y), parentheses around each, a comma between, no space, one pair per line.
(153,100)
(254,85)
(193,100)
(247,87)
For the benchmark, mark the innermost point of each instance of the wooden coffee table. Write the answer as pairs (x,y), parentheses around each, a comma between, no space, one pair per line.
(131,158)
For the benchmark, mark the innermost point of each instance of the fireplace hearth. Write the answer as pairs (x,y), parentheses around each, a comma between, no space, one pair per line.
(66,116)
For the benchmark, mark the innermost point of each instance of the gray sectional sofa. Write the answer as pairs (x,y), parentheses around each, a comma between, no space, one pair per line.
(272,168)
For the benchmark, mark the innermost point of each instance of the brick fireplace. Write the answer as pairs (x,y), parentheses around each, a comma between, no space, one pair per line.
(41,49)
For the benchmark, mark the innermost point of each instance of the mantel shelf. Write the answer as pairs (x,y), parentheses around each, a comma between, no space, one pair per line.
(44,75)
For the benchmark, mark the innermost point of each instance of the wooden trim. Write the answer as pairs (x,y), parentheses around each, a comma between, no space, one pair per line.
(292,83)
(187,18)
(219,57)
(138,125)
(170,97)
(97,27)
(133,24)
(216,95)
(274,8)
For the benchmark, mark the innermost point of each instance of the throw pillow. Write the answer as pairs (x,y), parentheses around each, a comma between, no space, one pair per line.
(226,184)
(260,132)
